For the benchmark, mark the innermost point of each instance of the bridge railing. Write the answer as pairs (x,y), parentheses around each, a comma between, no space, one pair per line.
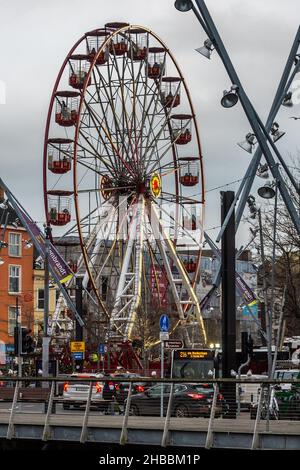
(208,406)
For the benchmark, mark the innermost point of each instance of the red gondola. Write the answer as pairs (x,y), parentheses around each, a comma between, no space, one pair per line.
(189,171)
(79,65)
(170,91)
(181,128)
(66,113)
(155,67)
(94,41)
(59,155)
(59,207)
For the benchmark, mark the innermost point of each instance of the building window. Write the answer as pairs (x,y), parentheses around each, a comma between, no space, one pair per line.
(14,244)
(14,280)
(41,299)
(12,319)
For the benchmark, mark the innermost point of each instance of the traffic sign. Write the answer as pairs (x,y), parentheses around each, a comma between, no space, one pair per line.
(164,323)
(77,346)
(174,344)
(78,356)
(163,336)
(102,348)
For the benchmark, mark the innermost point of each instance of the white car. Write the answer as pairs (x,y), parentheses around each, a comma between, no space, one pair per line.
(249,392)
(76,393)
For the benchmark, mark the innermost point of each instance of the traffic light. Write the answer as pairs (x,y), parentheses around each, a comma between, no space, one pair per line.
(27,341)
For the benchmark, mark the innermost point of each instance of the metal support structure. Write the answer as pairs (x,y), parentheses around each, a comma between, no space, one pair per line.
(255,440)
(217,281)
(78,302)
(86,415)
(228,289)
(46,431)
(250,112)
(46,338)
(162,373)
(267,310)
(165,436)
(209,435)
(168,251)
(128,292)
(10,428)
(228,302)
(124,432)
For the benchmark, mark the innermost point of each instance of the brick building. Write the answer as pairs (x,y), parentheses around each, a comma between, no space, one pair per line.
(16,273)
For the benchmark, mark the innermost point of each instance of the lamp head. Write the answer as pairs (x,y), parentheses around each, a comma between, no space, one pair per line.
(262,171)
(288,100)
(230,98)
(248,144)
(267,191)
(183,5)
(207,49)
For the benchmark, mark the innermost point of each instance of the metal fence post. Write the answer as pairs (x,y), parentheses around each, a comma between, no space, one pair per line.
(209,436)
(124,433)
(10,429)
(86,415)
(49,410)
(167,420)
(257,420)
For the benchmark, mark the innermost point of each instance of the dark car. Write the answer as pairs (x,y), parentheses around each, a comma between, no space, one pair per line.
(120,389)
(188,400)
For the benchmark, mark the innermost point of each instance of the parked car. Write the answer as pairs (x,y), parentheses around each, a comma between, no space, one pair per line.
(189,400)
(76,393)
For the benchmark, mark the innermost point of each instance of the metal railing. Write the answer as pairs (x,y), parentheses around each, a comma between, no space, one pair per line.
(253,406)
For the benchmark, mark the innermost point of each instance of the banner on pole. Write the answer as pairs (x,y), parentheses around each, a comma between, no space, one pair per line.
(57,263)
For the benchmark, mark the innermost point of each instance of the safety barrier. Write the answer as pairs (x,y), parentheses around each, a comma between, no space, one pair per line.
(248,408)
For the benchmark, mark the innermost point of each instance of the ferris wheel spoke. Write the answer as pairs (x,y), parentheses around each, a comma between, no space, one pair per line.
(91,150)
(105,113)
(167,251)
(120,124)
(100,102)
(125,116)
(108,136)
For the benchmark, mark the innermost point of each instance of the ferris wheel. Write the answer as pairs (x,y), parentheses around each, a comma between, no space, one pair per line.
(123,171)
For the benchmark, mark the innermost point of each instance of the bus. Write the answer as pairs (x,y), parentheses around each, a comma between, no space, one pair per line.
(194,364)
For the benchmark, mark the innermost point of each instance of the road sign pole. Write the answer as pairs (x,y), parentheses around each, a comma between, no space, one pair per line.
(162,376)
(164,324)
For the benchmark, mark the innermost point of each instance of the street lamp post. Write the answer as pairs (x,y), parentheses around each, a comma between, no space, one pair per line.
(46,337)
(19,330)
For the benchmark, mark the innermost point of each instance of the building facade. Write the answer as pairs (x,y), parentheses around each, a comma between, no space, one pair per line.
(16,275)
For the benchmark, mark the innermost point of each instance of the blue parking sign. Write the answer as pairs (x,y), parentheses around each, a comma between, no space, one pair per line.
(164,323)
(101,348)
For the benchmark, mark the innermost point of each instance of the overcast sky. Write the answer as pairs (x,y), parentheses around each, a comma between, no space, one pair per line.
(35,36)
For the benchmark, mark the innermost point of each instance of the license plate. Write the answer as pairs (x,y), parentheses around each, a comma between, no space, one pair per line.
(80,389)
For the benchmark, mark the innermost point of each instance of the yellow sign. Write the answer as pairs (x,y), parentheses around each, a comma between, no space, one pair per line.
(193,354)
(77,346)
(155,185)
